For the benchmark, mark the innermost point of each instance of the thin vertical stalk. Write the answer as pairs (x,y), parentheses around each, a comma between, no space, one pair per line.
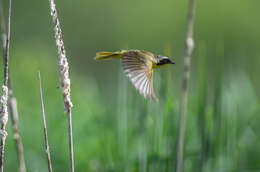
(7,45)
(122,118)
(12,103)
(3,30)
(64,77)
(217,134)
(70,140)
(4,96)
(47,149)
(202,104)
(189,44)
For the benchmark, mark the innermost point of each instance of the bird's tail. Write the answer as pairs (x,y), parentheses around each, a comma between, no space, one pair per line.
(108,55)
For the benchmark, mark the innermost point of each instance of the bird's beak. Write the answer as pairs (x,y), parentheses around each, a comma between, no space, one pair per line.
(171,62)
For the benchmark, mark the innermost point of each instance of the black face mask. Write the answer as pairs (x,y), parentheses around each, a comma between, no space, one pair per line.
(165,61)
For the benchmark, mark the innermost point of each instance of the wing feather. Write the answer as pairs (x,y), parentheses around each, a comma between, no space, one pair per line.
(140,74)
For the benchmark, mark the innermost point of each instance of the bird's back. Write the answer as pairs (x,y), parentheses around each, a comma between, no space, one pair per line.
(146,56)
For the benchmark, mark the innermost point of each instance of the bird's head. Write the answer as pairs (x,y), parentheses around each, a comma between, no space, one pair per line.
(163,60)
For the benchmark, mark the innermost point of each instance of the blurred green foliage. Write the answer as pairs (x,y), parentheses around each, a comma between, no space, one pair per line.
(115,129)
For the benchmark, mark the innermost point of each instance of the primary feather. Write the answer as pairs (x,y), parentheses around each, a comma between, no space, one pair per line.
(140,73)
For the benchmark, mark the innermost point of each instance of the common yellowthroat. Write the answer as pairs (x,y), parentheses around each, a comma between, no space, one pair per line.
(138,66)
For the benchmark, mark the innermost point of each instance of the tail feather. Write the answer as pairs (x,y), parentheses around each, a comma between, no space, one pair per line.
(103,53)
(107,55)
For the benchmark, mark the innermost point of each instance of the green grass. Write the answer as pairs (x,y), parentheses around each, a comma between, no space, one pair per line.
(126,133)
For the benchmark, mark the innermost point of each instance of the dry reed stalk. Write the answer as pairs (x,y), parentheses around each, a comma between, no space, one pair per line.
(189,45)
(64,77)
(3,30)
(47,150)
(12,103)
(4,96)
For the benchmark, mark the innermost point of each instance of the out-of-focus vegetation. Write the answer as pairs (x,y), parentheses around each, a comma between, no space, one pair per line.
(115,129)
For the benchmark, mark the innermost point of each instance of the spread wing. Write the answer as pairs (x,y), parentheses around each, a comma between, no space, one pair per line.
(140,74)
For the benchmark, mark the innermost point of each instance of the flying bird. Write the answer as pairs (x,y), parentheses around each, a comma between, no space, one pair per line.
(138,66)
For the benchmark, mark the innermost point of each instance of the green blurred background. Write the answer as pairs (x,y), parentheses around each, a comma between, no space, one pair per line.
(115,129)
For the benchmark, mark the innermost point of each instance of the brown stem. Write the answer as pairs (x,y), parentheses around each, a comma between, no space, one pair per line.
(4,97)
(189,44)
(18,142)
(47,150)
(3,30)
(64,76)
(12,103)
(70,141)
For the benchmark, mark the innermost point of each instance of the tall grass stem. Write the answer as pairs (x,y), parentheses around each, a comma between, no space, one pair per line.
(189,44)
(47,148)
(64,77)
(4,96)
(12,103)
